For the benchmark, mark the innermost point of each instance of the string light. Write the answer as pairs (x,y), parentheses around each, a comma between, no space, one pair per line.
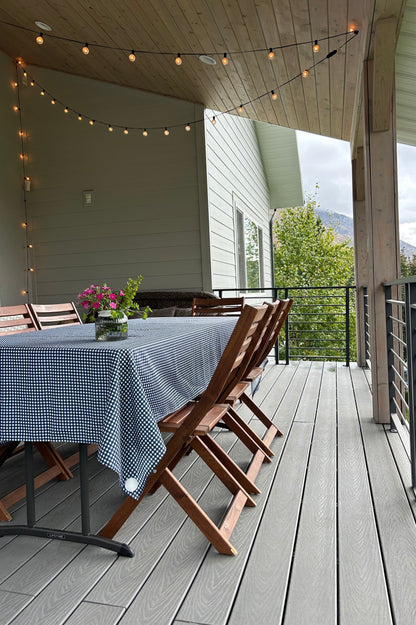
(39,39)
(15,108)
(110,128)
(24,292)
(24,224)
(187,127)
(224,59)
(316,46)
(22,156)
(132,56)
(271,54)
(14,84)
(85,49)
(178,60)
(31,269)
(32,83)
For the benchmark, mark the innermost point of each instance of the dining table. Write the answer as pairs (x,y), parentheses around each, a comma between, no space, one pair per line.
(62,385)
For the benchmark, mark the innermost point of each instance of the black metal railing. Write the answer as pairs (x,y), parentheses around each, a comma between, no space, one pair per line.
(366,328)
(401,354)
(321,324)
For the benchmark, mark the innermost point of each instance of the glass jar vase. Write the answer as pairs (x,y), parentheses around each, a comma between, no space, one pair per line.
(109,328)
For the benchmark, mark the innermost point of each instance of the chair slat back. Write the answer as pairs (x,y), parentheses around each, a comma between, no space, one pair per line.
(16,319)
(217,306)
(55,315)
(279,311)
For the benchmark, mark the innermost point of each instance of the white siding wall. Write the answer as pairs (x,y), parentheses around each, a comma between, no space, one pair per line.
(12,236)
(235,174)
(146,212)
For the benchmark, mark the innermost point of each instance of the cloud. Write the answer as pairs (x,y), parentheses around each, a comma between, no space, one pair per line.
(327,162)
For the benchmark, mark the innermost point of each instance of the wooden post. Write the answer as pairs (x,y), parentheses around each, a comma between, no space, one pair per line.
(360,250)
(381,201)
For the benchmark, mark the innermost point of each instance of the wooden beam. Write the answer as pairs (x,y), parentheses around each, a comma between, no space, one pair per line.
(383,73)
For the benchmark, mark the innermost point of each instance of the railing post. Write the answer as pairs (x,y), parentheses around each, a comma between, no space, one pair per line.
(347,326)
(390,351)
(287,332)
(411,372)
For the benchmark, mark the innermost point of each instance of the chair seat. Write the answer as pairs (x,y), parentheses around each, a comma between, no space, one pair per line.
(173,421)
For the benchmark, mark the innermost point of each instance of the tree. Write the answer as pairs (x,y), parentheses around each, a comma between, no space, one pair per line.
(306,254)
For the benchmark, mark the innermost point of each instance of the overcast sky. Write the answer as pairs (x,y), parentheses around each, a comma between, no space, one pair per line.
(327,162)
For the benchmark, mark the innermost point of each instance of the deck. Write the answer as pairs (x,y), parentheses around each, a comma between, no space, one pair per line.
(332,539)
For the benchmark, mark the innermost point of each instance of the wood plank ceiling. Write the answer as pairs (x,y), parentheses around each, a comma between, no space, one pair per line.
(322,103)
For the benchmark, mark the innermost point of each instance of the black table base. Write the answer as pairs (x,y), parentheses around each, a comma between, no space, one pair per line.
(56,534)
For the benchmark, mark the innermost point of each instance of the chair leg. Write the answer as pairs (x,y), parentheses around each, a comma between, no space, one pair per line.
(195,512)
(217,467)
(259,413)
(232,467)
(246,434)
(52,458)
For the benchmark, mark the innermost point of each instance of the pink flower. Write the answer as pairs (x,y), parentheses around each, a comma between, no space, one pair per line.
(113,305)
(85,303)
(100,296)
(121,293)
(113,296)
(95,305)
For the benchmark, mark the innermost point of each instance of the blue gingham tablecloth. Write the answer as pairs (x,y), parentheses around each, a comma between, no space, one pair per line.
(62,385)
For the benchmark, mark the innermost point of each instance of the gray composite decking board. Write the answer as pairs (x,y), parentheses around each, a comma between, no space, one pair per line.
(11,603)
(308,402)
(263,588)
(395,520)
(16,550)
(312,595)
(47,563)
(210,597)
(95,614)
(363,595)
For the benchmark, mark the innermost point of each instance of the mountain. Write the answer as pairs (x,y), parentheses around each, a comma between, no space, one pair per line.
(344,228)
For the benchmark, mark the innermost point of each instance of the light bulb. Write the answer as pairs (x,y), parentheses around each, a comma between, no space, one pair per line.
(225,59)
(39,39)
(30,246)
(32,83)
(352,27)
(188,127)
(31,269)
(14,84)
(132,56)
(86,49)
(25,74)
(240,108)
(24,224)
(178,60)
(15,108)
(91,122)
(22,156)
(24,292)
(145,133)
(315,47)
(110,128)
(166,132)
(42,92)
(20,133)
(214,121)
(305,73)
(79,116)
(53,101)
(66,110)
(271,54)
(126,132)
(274,95)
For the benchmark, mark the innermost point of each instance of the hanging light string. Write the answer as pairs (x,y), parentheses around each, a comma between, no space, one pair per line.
(41,37)
(187,126)
(26,186)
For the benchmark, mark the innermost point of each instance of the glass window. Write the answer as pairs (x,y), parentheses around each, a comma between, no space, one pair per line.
(249,253)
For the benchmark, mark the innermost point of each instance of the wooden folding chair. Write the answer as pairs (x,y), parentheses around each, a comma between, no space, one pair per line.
(14,320)
(278,313)
(55,315)
(217,306)
(191,426)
